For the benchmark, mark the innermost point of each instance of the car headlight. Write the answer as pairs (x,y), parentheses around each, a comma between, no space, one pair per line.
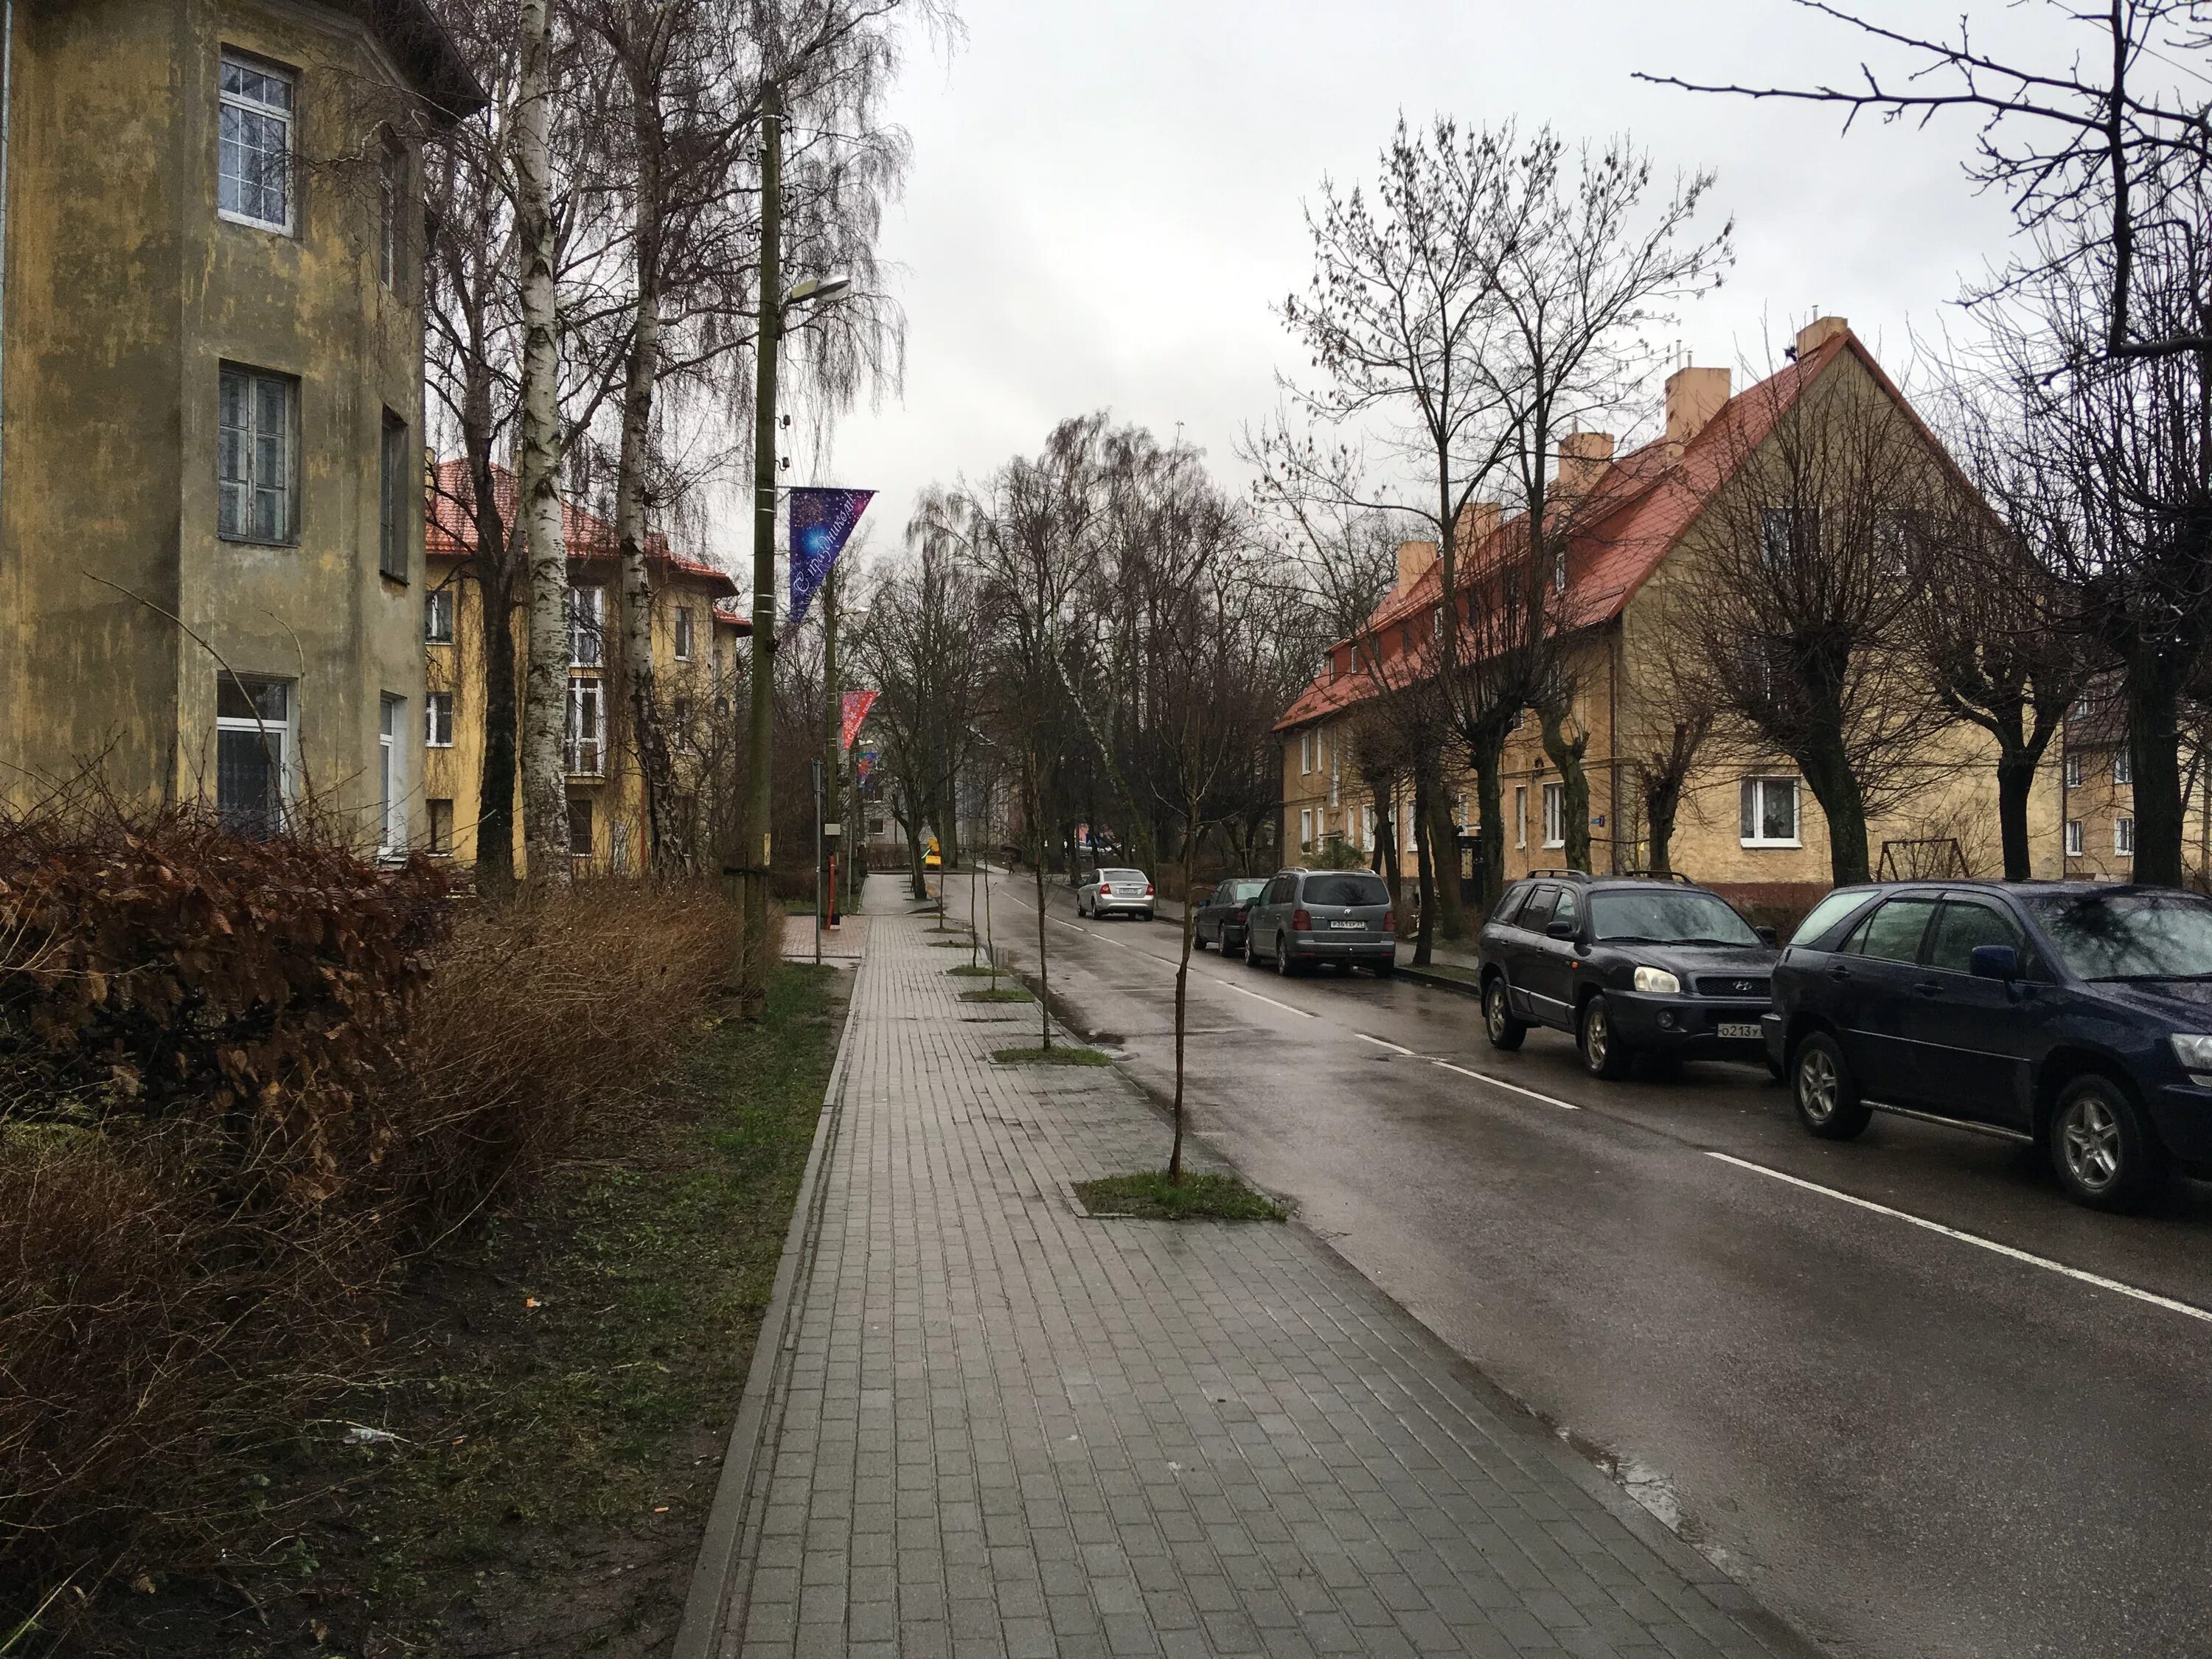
(1659,980)
(2194,1052)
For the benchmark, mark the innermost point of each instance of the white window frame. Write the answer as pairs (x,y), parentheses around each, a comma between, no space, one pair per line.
(250,381)
(2124,767)
(1521,815)
(2123,838)
(2075,838)
(283,732)
(1305,828)
(392,772)
(1555,814)
(1306,752)
(588,627)
(2074,770)
(682,646)
(1335,774)
(1367,829)
(438,720)
(1758,787)
(438,616)
(583,739)
(253,108)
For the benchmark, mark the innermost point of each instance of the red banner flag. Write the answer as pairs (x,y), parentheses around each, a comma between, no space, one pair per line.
(857,704)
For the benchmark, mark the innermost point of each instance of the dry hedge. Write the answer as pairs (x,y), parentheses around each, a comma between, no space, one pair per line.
(242,1084)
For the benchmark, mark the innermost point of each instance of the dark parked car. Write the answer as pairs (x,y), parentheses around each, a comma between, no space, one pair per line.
(1307,917)
(2074,1017)
(1220,919)
(1628,964)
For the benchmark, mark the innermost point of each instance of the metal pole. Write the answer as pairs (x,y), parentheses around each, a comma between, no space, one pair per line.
(756,849)
(825,898)
(818,844)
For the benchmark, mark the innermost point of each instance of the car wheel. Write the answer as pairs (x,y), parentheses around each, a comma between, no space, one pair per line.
(1604,1056)
(1283,967)
(1497,1021)
(1826,1093)
(2100,1147)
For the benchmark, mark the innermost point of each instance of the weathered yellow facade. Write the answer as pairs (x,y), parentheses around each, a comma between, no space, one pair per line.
(144,312)
(1328,810)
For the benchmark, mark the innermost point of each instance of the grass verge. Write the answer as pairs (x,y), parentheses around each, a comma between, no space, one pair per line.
(1063,1055)
(1149,1196)
(1003,993)
(974,970)
(557,1394)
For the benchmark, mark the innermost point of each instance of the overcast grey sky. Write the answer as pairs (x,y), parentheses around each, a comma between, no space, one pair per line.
(1106,195)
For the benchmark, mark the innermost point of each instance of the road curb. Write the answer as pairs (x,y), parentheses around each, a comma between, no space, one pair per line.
(1443,982)
(708,1609)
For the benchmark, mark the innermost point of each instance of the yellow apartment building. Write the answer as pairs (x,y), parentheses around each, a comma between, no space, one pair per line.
(697,661)
(1748,824)
(210,532)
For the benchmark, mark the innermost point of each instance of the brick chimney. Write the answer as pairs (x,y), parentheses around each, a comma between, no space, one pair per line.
(1414,559)
(1478,522)
(1583,457)
(1694,396)
(1818,332)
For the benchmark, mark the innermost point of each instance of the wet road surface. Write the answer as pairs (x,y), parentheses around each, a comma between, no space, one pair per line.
(1900,1387)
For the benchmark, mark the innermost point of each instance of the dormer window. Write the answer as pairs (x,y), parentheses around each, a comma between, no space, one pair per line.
(254,170)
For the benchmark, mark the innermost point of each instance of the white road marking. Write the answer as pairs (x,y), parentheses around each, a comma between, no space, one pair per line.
(1379,1043)
(2032,1260)
(1500,1083)
(1272,1003)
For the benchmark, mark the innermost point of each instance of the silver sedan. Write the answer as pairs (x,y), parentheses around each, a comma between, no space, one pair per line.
(1115,893)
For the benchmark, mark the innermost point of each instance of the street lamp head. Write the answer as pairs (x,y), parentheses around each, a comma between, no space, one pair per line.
(810,289)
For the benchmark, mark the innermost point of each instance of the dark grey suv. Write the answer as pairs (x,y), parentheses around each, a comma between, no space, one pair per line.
(1307,917)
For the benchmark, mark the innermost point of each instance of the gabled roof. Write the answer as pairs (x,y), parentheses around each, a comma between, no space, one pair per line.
(449,530)
(1634,513)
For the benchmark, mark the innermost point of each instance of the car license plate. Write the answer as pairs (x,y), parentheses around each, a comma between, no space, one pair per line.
(1349,926)
(1728,1029)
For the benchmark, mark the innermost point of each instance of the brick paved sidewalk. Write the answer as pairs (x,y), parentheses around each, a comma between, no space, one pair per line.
(1001,1428)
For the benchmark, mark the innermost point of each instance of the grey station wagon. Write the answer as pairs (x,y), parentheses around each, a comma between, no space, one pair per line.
(1311,917)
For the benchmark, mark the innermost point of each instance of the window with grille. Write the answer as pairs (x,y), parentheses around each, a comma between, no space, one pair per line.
(1768,809)
(254,168)
(587,615)
(586,735)
(579,826)
(437,727)
(392,519)
(256,421)
(254,738)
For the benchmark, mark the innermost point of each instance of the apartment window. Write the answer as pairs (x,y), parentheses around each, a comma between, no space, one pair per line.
(2124,767)
(587,614)
(2123,837)
(256,421)
(1305,830)
(2074,838)
(253,752)
(1305,753)
(587,737)
(1560,571)
(579,826)
(2073,771)
(254,171)
(1788,535)
(390,202)
(1335,776)
(2081,709)
(392,529)
(1769,812)
(1555,814)
(683,633)
(438,723)
(391,770)
(1367,829)
(1520,814)
(680,713)
(438,616)
(441,828)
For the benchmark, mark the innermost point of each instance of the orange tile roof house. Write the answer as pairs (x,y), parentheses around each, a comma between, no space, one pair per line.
(1748,826)
(695,632)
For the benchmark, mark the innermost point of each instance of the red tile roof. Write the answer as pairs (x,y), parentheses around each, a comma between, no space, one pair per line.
(449,530)
(1638,507)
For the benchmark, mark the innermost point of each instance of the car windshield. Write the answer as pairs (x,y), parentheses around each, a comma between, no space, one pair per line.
(1346,890)
(1668,918)
(2128,935)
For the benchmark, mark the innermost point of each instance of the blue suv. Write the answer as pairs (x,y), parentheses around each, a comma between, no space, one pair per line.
(2071,1016)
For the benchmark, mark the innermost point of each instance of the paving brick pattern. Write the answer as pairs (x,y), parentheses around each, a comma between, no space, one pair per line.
(1005,1429)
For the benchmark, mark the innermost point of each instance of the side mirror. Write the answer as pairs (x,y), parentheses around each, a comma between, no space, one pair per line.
(1995,962)
(1765,936)
(1560,929)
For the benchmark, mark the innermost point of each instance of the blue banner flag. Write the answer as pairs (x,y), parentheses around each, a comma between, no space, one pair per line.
(821,522)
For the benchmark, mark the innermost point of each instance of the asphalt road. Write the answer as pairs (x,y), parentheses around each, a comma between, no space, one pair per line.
(1915,1400)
